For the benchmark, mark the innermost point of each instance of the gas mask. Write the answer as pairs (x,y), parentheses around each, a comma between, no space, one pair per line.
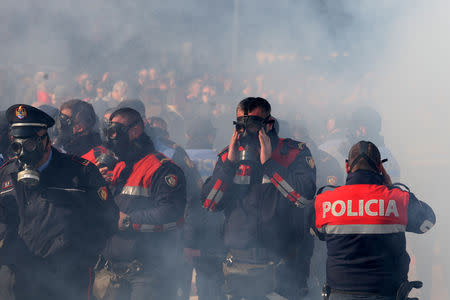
(249,170)
(118,140)
(248,129)
(64,131)
(29,151)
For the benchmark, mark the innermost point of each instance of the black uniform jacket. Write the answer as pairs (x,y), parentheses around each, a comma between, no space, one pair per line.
(152,191)
(364,224)
(264,214)
(70,210)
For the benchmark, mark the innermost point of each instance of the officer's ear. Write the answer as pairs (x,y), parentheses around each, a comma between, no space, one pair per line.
(347,166)
(270,124)
(135,132)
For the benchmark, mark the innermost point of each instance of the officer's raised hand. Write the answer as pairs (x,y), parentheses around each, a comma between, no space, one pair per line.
(266,146)
(233,148)
(106,173)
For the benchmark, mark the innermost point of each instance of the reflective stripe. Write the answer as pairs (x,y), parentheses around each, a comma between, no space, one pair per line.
(287,191)
(241,179)
(136,191)
(214,196)
(7,191)
(284,184)
(66,190)
(364,229)
(159,227)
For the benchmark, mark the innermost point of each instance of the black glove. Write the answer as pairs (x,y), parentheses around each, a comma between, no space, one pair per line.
(406,287)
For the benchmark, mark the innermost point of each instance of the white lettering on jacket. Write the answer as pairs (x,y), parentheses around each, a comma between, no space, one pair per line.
(372,208)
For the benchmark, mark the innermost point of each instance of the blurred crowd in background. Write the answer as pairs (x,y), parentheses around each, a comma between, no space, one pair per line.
(311,103)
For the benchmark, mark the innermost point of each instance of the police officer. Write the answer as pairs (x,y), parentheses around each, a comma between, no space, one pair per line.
(364,224)
(178,155)
(150,191)
(366,124)
(260,182)
(55,212)
(76,125)
(78,134)
(208,242)
(337,142)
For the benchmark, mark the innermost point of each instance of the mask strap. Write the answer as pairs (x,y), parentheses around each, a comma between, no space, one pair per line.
(48,139)
(363,151)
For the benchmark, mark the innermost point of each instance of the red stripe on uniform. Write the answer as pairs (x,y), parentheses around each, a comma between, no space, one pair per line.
(217,184)
(295,195)
(207,203)
(274,182)
(277,177)
(137,227)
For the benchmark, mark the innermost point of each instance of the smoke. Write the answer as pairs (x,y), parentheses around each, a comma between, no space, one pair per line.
(411,91)
(314,58)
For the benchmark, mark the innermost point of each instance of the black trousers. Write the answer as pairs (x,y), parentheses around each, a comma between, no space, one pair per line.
(71,280)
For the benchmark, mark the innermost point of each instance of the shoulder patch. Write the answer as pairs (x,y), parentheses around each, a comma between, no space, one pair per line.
(80,160)
(6,184)
(103,193)
(294,144)
(310,161)
(171,180)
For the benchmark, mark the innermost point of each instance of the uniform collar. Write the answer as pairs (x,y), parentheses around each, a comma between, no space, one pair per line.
(364,177)
(45,165)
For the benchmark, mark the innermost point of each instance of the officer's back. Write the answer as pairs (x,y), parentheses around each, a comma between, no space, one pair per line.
(364,224)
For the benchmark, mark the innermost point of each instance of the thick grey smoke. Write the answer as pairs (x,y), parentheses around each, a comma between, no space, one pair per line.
(311,58)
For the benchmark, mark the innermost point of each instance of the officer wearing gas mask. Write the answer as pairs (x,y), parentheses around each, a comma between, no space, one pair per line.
(189,236)
(55,212)
(261,182)
(363,223)
(150,190)
(78,134)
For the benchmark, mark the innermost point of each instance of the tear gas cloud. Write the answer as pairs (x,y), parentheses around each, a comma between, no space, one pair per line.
(311,59)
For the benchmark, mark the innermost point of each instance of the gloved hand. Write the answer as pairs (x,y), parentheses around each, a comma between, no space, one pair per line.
(406,287)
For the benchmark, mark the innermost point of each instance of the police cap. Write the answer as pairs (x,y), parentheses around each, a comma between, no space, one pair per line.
(25,120)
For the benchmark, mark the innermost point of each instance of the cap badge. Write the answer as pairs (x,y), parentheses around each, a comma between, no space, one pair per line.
(21,112)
